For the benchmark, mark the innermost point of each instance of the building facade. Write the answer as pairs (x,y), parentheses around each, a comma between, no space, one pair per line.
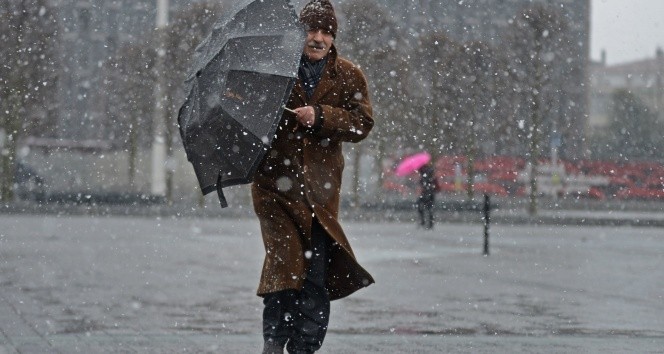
(643,78)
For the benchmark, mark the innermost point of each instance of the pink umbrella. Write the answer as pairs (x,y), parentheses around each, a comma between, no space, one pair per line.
(412,163)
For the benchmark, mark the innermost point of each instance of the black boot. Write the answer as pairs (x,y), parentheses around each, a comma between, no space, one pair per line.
(278,317)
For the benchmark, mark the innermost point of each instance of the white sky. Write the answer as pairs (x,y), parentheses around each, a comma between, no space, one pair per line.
(627,29)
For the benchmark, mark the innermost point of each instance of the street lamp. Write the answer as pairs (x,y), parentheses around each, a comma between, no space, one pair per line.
(158,185)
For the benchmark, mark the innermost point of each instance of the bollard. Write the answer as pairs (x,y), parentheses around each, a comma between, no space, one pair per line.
(487,221)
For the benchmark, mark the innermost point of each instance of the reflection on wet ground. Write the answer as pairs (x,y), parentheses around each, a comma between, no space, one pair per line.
(81,279)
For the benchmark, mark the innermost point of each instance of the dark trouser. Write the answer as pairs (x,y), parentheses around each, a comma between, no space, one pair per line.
(425,209)
(301,317)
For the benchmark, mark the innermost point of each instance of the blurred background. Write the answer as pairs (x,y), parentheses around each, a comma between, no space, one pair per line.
(539,104)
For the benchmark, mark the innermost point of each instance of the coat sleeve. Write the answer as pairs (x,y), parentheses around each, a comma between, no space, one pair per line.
(353,120)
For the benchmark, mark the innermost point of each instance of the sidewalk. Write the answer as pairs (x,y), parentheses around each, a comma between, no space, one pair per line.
(77,284)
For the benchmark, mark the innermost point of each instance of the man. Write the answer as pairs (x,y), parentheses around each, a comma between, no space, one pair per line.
(309,261)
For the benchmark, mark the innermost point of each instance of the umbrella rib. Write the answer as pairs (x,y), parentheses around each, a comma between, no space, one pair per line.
(263,73)
(257,35)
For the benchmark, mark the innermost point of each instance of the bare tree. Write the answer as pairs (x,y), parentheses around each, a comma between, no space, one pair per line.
(433,76)
(477,92)
(372,39)
(27,78)
(534,38)
(131,99)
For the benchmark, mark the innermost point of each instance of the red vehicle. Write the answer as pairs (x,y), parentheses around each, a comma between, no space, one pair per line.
(640,193)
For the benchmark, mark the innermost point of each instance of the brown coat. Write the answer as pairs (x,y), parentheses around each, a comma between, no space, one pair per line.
(300,179)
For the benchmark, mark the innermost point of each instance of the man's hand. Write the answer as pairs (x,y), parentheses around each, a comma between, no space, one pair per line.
(306,116)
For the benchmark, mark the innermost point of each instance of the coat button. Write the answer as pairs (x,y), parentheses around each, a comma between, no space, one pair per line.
(306,141)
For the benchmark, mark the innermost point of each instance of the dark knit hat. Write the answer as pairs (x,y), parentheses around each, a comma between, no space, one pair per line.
(319,14)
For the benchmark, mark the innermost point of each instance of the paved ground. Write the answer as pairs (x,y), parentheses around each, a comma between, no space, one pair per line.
(167,285)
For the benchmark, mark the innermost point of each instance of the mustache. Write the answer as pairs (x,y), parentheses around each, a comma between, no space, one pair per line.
(315,44)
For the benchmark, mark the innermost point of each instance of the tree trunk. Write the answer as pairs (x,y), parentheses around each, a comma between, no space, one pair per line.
(471,152)
(535,128)
(378,166)
(133,150)
(357,155)
(470,188)
(201,199)
(8,169)
(11,124)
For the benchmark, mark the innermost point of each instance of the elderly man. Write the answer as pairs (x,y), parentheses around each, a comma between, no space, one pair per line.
(308,260)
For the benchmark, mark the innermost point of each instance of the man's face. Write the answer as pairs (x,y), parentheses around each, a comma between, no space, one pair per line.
(318,44)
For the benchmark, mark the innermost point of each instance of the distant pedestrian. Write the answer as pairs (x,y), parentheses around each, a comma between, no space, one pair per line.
(296,190)
(426,199)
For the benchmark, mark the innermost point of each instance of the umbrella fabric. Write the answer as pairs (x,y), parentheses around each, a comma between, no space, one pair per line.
(242,75)
(412,163)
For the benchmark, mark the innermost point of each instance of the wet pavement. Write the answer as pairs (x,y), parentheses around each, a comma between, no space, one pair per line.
(167,285)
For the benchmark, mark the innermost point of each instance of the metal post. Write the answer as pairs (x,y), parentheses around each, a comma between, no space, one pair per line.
(487,221)
(158,186)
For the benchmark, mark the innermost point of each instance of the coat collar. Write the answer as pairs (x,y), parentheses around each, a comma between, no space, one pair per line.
(326,83)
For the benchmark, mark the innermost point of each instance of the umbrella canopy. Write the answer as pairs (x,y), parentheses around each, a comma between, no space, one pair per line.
(412,163)
(242,75)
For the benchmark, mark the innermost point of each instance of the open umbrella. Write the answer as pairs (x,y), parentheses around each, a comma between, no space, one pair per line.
(412,163)
(243,74)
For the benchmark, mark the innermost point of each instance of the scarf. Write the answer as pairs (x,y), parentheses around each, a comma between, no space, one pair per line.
(311,73)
